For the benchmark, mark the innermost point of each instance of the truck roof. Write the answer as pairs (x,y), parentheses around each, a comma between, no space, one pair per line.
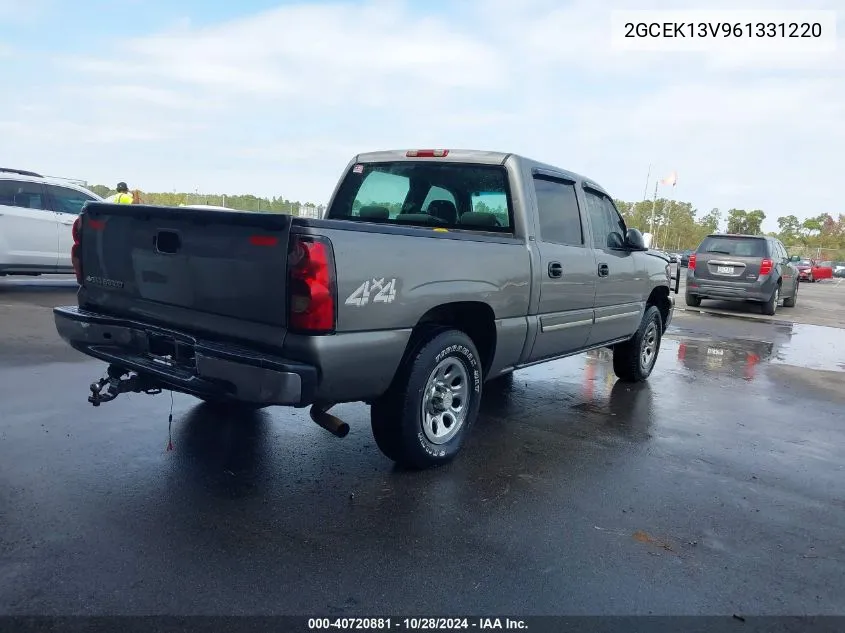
(483,157)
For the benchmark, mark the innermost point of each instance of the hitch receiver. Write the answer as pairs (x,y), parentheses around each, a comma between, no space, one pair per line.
(119,381)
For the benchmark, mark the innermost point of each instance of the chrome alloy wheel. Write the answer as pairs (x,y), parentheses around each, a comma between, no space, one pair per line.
(445,401)
(648,352)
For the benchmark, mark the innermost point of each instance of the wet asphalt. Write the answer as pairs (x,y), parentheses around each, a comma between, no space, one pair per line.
(716,488)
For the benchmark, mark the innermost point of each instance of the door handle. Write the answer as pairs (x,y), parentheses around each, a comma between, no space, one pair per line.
(604,270)
(555,270)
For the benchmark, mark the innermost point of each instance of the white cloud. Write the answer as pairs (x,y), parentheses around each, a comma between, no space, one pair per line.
(278,102)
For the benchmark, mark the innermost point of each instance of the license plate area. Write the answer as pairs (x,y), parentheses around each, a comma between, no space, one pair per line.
(725,270)
(168,351)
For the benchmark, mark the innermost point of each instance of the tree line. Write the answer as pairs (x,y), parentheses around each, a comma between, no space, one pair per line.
(675,225)
(680,226)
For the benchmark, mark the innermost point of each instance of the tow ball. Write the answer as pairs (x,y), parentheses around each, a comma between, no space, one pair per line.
(116,382)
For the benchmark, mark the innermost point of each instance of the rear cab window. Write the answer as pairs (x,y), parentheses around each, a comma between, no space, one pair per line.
(425,193)
(734,246)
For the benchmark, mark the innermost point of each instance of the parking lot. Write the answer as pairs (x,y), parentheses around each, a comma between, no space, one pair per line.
(820,303)
(716,488)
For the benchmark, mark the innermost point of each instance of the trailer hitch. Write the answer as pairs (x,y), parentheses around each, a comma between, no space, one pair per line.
(118,381)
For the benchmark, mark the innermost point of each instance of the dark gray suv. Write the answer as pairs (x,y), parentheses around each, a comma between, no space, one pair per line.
(742,268)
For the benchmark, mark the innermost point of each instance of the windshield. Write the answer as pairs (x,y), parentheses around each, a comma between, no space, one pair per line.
(736,246)
(458,195)
(805,262)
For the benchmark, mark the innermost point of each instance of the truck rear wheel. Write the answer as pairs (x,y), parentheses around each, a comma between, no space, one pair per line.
(426,416)
(633,360)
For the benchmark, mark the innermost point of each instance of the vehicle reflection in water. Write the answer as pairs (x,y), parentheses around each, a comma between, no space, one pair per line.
(626,409)
(733,357)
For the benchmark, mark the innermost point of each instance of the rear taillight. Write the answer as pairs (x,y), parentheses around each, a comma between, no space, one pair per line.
(691,263)
(311,285)
(76,232)
(766,266)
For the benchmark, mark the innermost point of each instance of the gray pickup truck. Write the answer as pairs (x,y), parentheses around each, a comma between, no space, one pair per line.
(431,273)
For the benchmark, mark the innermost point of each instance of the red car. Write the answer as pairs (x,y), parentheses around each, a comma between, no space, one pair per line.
(811,270)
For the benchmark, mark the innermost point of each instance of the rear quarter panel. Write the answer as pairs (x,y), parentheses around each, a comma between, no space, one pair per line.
(386,282)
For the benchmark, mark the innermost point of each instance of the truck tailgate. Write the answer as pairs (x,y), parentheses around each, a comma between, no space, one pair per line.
(215,271)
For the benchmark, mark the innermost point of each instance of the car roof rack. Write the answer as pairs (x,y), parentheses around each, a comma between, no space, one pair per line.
(20,172)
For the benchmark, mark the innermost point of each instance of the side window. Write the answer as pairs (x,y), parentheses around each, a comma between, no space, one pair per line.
(608,228)
(381,189)
(20,193)
(615,219)
(557,207)
(68,200)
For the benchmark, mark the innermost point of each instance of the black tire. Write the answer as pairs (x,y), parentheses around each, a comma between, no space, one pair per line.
(790,302)
(771,306)
(692,301)
(629,358)
(401,430)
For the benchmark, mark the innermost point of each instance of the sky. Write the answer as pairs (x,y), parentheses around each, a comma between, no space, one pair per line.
(274,98)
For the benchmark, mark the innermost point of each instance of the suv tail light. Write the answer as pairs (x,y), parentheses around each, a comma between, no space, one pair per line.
(691,263)
(312,285)
(76,232)
(766,266)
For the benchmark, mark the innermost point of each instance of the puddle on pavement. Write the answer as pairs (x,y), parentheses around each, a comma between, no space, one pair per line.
(742,354)
(605,407)
(814,347)
(803,346)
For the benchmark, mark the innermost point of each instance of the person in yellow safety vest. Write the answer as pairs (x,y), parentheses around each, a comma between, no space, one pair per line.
(122,196)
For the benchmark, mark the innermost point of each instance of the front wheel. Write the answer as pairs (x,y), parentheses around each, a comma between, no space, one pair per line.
(425,418)
(633,360)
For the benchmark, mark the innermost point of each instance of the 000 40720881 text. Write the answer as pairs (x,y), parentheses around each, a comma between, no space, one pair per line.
(723,29)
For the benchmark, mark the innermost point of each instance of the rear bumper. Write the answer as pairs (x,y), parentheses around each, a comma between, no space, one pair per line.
(201,368)
(731,291)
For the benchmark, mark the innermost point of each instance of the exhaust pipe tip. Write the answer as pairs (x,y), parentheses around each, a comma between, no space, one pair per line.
(332,424)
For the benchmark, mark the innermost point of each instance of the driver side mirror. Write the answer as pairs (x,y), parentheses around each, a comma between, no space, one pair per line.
(634,240)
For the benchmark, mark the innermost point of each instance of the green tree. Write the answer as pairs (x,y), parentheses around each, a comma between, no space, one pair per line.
(790,229)
(709,223)
(754,222)
(737,221)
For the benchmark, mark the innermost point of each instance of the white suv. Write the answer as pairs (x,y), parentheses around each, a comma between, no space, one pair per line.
(36,216)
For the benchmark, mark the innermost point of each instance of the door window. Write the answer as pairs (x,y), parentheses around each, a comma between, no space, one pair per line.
(20,193)
(557,208)
(608,227)
(68,200)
